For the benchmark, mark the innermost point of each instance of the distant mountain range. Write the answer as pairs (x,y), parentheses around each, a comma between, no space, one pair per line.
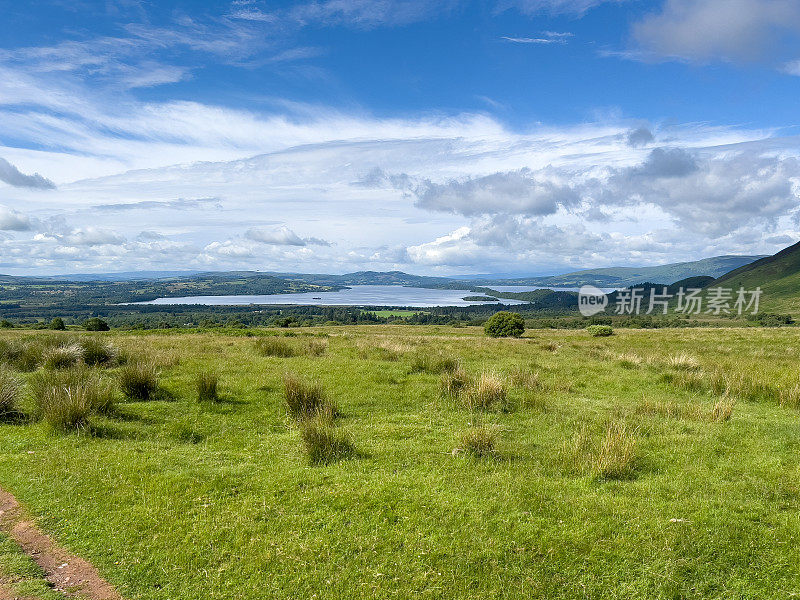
(613,277)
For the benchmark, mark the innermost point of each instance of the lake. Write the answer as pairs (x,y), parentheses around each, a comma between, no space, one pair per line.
(357,295)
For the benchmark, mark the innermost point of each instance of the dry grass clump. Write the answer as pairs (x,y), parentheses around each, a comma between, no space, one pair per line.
(139,380)
(479,441)
(323,442)
(790,397)
(207,386)
(683,362)
(453,383)
(550,346)
(62,357)
(617,454)
(10,391)
(487,392)
(307,399)
(525,379)
(66,399)
(721,411)
(317,347)
(382,349)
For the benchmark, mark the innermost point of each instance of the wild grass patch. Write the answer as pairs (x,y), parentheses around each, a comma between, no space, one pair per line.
(274,346)
(207,387)
(306,399)
(454,383)
(487,392)
(720,412)
(62,357)
(323,442)
(425,361)
(10,394)
(616,456)
(66,399)
(139,380)
(479,441)
(97,352)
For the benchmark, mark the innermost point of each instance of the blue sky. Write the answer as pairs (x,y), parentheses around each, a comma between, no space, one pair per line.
(442,137)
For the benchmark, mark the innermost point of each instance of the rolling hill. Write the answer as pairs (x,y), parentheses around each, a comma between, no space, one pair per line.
(716,266)
(778,276)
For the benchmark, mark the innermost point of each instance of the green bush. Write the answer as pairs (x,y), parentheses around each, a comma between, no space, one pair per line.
(600,330)
(207,385)
(505,324)
(139,380)
(57,324)
(95,324)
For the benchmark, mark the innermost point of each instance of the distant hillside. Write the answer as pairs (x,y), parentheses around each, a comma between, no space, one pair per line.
(778,276)
(627,276)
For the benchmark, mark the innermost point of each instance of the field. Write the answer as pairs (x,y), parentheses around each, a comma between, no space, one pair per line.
(649,464)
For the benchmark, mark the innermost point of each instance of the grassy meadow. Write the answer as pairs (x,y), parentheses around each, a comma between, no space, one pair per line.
(400,461)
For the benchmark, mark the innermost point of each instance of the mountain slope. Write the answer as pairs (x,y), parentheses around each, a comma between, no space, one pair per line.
(626,276)
(778,276)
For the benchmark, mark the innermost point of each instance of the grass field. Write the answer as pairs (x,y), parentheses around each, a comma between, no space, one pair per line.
(649,464)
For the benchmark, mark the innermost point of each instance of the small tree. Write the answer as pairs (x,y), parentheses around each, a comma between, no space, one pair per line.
(58,324)
(505,324)
(96,324)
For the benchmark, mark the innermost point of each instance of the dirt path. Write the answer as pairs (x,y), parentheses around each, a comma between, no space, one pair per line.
(67,573)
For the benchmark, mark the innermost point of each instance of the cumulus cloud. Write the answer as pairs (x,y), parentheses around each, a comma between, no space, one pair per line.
(641,136)
(520,191)
(730,30)
(13,220)
(13,176)
(279,236)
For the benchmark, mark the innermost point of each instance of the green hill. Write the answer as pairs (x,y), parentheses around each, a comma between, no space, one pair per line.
(716,266)
(778,277)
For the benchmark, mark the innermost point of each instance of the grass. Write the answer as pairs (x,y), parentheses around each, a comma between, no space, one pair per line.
(207,385)
(323,442)
(690,497)
(479,441)
(139,380)
(10,392)
(66,399)
(307,399)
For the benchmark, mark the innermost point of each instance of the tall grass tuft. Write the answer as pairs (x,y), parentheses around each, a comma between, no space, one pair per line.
(207,384)
(489,391)
(139,380)
(617,455)
(429,362)
(10,390)
(307,399)
(273,346)
(683,362)
(722,410)
(62,357)
(66,399)
(479,441)
(453,383)
(323,442)
(97,352)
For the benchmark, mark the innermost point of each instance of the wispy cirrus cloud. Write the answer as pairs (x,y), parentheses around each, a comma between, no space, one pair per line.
(546,37)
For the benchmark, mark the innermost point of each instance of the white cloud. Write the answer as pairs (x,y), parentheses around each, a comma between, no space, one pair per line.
(12,176)
(13,220)
(573,7)
(731,30)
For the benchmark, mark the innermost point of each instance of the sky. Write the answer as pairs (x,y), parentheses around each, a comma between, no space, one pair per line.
(442,137)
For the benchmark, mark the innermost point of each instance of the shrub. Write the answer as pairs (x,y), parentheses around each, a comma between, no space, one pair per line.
(306,399)
(57,324)
(323,442)
(207,387)
(64,400)
(96,352)
(479,441)
(6,324)
(617,454)
(9,393)
(600,330)
(487,392)
(62,357)
(273,346)
(95,324)
(453,383)
(139,380)
(505,324)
